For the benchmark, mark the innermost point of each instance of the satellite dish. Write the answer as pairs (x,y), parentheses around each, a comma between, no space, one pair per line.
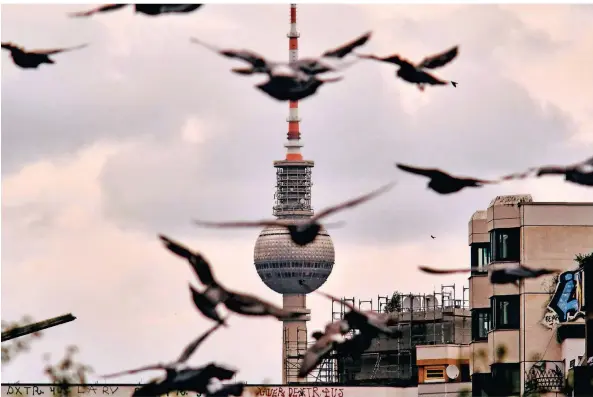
(407,303)
(452,371)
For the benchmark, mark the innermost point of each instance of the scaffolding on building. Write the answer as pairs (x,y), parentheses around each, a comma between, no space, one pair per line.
(424,319)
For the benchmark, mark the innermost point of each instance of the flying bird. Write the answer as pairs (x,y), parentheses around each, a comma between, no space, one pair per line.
(432,237)
(197,380)
(146,9)
(346,49)
(293,88)
(198,263)
(207,304)
(509,275)
(250,305)
(442,182)
(258,64)
(32,59)
(174,367)
(580,173)
(214,294)
(415,73)
(325,343)
(306,231)
(367,321)
(301,68)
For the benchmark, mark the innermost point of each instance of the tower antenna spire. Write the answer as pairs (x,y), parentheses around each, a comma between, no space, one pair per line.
(293,145)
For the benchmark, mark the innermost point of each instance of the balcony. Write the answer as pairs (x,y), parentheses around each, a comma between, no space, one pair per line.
(545,376)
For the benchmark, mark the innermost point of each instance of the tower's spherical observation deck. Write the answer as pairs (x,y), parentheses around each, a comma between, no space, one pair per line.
(281,263)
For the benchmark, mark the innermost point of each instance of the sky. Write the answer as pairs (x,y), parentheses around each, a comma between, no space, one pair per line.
(142,131)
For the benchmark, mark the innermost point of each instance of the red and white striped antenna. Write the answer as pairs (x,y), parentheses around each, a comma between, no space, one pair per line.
(293,146)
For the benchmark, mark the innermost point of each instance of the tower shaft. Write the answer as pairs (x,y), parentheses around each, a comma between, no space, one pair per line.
(293,146)
(293,199)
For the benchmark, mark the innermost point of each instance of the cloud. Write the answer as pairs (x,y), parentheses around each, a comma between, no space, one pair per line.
(143,131)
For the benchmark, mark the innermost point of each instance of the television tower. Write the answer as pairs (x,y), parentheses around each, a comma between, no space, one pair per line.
(279,262)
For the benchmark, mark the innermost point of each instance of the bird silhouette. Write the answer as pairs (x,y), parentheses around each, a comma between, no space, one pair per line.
(580,173)
(507,275)
(215,294)
(197,380)
(305,231)
(207,302)
(258,63)
(442,182)
(32,59)
(146,9)
(329,61)
(346,49)
(415,73)
(324,344)
(293,88)
(174,369)
(432,237)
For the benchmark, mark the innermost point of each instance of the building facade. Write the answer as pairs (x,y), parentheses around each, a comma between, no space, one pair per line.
(515,347)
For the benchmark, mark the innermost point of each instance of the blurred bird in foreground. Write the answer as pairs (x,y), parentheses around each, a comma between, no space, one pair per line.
(290,88)
(329,61)
(302,232)
(214,293)
(146,9)
(509,275)
(325,343)
(179,377)
(177,364)
(580,173)
(369,323)
(32,59)
(442,182)
(415,73)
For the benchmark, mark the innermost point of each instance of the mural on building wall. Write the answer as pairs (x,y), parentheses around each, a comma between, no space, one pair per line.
(567,301)
(250,391)
(544,376)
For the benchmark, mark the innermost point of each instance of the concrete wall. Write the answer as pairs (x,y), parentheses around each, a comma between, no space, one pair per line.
(571,349)
(442,389)
(551,235)
(268,391)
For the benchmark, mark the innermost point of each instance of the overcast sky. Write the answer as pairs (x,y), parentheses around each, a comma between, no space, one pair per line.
(142,131)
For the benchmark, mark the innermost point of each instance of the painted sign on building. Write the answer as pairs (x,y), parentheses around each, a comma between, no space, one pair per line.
(95,390)
(567,302)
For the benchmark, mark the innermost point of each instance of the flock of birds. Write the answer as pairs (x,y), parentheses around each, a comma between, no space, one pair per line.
(293,81)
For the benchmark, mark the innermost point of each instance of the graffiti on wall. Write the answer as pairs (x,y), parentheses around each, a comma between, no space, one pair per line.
(544,376)
(96,390)
(567,301)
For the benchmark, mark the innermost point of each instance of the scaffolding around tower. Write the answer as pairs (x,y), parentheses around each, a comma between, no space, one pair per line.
(293,188)
(424,319)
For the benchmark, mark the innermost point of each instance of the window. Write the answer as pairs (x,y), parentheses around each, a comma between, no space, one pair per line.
(506,380)
(505,312)
(505,244)
(465,375)
(434,374)
(480,257)
(480,384)
(480,324)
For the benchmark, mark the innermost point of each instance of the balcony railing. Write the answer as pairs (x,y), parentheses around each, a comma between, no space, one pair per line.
(545,376)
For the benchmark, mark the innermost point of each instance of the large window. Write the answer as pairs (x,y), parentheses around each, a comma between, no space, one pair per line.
(505,244)
(506,380)
(505,312)
(480,324)
(480,253)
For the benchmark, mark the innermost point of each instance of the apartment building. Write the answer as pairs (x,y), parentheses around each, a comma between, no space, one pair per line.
(515,346)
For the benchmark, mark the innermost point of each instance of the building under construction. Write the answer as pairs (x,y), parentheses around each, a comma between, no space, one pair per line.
(429,319)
